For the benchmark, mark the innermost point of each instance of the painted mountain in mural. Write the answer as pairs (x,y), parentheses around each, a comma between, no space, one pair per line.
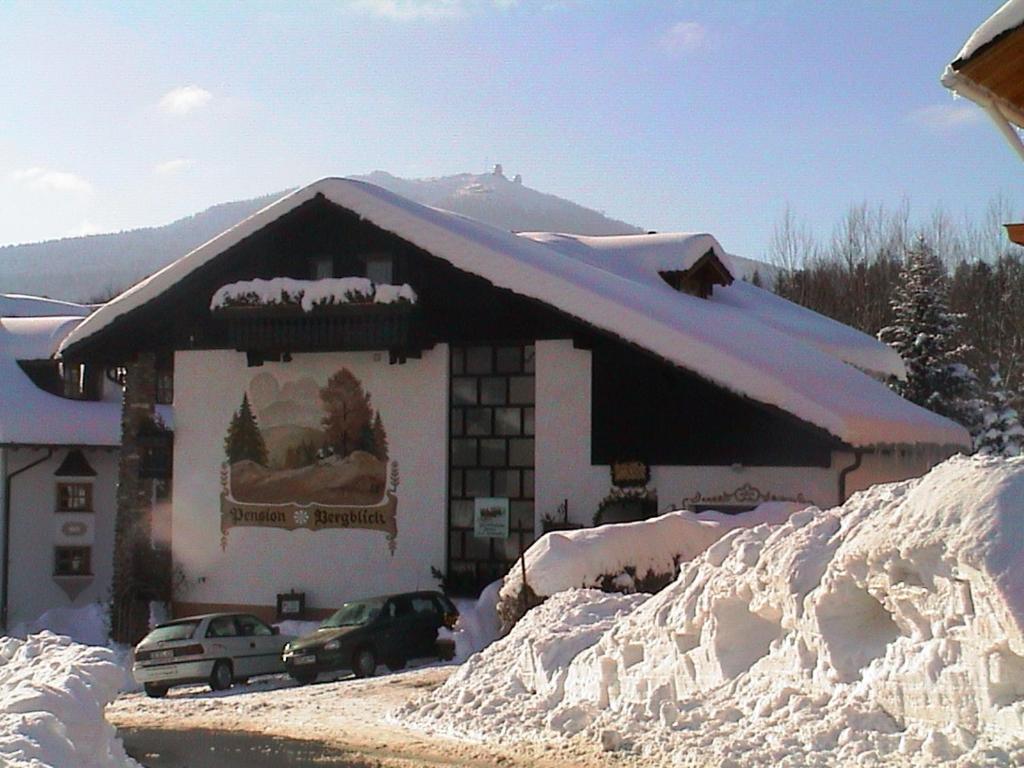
(301,442)
(358,478)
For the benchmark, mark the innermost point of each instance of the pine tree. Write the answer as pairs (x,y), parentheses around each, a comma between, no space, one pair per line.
(380,438)
(925,333)
(244,439)
(1001,433)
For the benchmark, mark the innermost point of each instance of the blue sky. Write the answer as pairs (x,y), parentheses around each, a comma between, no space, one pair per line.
(672,115)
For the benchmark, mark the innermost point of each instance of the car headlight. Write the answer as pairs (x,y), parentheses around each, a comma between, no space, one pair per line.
(287,647)
(332,645)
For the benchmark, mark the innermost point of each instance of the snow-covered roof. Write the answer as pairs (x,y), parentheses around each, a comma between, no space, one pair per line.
(32,416)
(18,305)
(641,258)
(1009,16)
(722,343)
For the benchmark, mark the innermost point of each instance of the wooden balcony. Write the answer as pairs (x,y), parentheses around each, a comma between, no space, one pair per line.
(343,327)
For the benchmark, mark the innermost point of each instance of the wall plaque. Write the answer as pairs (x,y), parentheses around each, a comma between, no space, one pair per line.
(490,518)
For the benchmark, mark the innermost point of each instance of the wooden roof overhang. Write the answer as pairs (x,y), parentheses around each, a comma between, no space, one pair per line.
(998,67)
(1015,232)
(164,323)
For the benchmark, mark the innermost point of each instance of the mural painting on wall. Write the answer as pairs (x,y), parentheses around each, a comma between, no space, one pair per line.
(307,455)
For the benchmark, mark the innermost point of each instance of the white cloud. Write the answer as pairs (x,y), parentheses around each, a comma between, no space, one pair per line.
(85,228)
(945,117)
(184,99)
(684,37)
(424,10)
(47,180)
(171,167)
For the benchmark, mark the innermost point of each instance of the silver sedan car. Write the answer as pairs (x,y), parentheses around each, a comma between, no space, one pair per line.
(216,648)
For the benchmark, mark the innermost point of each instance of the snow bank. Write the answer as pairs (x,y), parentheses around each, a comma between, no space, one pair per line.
(87,624)
(478,624)
(887,631)
(526,667)
(52,695)
(285,291)
(624,554)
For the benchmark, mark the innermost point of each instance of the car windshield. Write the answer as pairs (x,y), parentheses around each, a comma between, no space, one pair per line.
(353,614)
(179,630)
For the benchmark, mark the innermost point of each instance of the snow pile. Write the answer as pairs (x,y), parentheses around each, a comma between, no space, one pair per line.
(508,688)
(627,552)
(478,624)
(52,696)
(309,294)
(887,631)
(87,624)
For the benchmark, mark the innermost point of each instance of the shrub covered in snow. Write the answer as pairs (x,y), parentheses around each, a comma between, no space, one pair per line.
(52,695)
(621,557)
(888,631)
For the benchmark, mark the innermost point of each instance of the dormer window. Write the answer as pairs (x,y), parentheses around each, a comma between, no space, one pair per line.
(700,278)
(380,268)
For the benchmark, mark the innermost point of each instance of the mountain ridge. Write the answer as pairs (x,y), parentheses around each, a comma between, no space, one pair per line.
(94,268)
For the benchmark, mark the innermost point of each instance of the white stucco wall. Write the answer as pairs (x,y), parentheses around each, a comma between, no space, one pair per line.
(36,530)
(564,470)
(330,566)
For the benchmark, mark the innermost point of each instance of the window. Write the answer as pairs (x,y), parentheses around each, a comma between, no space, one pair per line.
(74,497)
(72,561)
(80,381)
(321,267)
(250,626)
(74,380)
(380,269)
(222,626)
(424,606)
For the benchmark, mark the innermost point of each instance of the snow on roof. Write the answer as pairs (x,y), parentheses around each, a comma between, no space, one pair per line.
(718,342)
(1009,16)
(641,257)
(19,305)
(32,416)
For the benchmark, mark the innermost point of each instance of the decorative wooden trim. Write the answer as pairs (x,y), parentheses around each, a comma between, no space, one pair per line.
(746,494)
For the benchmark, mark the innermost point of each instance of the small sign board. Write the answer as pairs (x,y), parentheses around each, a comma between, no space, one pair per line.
(630,474)
(490,518)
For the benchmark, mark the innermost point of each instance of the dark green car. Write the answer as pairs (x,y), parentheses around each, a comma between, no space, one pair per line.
(364,633)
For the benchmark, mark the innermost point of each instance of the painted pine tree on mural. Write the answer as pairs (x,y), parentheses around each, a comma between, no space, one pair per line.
(244,440)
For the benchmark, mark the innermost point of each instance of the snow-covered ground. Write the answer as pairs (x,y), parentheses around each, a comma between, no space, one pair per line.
(889,631)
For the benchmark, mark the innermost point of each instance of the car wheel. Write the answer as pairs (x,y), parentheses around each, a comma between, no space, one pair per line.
(364,662)
(396,664)
(155,691)
(220,678)
(303,678)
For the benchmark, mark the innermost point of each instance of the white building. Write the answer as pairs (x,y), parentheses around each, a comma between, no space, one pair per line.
(362,385)
(59,461)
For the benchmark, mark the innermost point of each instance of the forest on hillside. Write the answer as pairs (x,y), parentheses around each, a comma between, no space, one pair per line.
(948,294)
